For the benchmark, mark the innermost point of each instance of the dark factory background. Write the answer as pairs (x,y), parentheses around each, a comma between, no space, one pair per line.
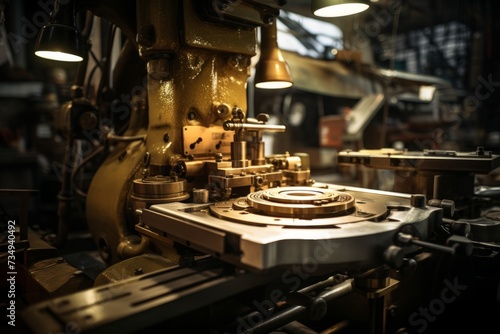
(413,75)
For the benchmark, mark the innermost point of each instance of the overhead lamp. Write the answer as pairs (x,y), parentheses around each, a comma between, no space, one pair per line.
(337,8)
(271,71)
(59,39)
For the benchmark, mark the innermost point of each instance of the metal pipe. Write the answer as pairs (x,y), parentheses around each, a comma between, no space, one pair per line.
(131,247)
(233,126)
(294,312)
(117,138)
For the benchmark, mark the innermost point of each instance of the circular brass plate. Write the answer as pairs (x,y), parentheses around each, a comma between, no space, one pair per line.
(298,207)
(160,189)
(300,201)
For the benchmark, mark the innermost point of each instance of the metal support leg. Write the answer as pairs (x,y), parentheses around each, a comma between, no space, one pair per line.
(376,287)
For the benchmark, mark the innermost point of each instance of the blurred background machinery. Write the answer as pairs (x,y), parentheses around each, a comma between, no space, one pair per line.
(250,166)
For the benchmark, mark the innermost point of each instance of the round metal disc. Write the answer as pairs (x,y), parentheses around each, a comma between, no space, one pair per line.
(298,207)
(300,201)
(160,189)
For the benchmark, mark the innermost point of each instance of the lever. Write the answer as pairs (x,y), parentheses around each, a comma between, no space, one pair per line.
(407,239)
(458,244)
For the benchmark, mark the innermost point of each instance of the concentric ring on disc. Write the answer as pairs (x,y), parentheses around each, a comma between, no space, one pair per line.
(256,210)
(299,195)
(300,202)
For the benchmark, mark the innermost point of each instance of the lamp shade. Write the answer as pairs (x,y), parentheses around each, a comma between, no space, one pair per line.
(271,71)
(60,42)
(59,39)
(337,8)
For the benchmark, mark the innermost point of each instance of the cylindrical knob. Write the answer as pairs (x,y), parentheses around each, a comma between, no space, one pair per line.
(239,154)
(394,256)
(200,196)
(257,153)
(447,205)
(418,201)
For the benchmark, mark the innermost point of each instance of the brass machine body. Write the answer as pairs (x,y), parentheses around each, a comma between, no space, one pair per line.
(197,74)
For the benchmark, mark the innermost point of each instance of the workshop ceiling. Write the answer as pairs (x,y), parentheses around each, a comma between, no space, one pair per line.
(415,13)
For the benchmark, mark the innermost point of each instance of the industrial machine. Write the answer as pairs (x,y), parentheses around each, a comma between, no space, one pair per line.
(202,232)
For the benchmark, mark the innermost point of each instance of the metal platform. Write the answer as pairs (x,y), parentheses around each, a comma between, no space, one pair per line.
(139,303)
(257,238)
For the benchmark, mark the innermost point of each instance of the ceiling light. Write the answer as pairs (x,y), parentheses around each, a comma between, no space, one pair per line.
(337,8)
(59,39)
(272,71)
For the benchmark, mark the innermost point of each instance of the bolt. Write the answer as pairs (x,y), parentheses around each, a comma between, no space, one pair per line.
(222,109)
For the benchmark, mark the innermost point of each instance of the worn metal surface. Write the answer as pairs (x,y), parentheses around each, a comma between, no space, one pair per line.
(244,238)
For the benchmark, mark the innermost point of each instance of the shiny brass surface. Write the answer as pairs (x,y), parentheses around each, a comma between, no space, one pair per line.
(298,207)
(187,99)
(197,71)
(203,141)
(300,201)
(107,200)
(158,189)
(209,69)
